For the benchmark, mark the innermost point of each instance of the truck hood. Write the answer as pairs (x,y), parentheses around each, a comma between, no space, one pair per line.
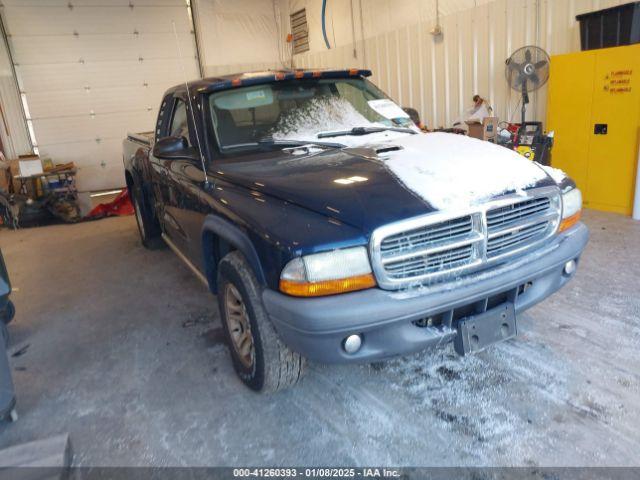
(374,184)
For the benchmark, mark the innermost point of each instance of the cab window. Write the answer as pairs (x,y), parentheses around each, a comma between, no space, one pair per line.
(179,125)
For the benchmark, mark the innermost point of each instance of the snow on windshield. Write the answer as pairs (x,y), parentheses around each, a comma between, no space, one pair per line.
(328,114)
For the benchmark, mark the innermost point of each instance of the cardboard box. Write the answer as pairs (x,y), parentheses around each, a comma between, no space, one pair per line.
(5,178)
(487,130)
(14,170)
(475,129)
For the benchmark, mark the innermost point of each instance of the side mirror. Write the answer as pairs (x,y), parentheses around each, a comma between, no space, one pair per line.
(173,148)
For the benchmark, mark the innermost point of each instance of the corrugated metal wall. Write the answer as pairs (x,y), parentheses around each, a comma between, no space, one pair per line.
(439,76)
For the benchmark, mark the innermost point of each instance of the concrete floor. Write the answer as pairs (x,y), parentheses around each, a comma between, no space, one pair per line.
(124,353)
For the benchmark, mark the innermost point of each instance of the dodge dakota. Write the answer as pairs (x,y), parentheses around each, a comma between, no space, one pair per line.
(331,229)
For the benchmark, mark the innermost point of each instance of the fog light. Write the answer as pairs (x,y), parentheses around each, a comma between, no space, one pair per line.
(570,267)
(352,343)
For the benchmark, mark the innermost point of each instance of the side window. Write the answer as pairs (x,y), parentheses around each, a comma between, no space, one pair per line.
(356,97)
(163,116)
(179,125)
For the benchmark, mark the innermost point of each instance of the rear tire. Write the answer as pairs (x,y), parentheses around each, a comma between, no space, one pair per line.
(148,225)
(259,357)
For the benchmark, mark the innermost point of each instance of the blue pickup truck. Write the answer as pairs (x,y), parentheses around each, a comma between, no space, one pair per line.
(332,229)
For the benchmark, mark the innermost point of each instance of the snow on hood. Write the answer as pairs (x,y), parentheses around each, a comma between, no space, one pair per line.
(555,173)
(448,171)
(455,171)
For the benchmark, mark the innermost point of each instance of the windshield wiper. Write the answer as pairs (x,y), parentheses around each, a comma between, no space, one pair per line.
(364,131)
(298,143)
(268,142)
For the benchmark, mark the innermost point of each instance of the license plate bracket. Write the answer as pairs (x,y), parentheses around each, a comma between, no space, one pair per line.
(477,332)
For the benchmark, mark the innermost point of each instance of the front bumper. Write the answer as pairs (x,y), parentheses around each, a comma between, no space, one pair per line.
(316,327)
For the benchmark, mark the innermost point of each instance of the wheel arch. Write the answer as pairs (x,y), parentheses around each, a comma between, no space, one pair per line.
(128,177)
(219,237)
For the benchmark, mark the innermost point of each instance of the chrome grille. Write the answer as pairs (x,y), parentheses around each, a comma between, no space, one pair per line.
(430,263)
(422,248)
(503,242)
(449,230)
(516,225)
(439,247)
(502,217)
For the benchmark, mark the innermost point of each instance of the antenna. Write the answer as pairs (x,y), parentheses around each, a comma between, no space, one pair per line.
(193,118)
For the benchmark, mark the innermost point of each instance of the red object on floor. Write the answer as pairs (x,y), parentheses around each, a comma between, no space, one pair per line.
(121,205)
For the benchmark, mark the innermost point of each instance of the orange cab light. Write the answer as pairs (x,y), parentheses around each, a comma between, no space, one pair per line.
(327,287)
(353,71)
(569,222)
(236,82)
(299,74)
(316,73)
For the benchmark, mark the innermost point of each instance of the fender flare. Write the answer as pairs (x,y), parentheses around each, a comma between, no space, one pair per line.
(232,234)
(138,181)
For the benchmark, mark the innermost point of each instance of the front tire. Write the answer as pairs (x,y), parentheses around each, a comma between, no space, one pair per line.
(259,357)
(148,225)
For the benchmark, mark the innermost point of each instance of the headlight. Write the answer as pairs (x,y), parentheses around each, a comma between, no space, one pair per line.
(327,273)
(571,208)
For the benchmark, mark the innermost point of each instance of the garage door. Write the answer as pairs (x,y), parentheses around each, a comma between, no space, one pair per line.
(91,70)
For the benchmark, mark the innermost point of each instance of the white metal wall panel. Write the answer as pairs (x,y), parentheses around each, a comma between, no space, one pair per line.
(78,76)
(92,70)
(31,49)
(13,129)
(241,35)
(57,18)
(439,76)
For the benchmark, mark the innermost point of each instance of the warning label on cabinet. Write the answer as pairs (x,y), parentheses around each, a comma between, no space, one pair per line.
(618,81)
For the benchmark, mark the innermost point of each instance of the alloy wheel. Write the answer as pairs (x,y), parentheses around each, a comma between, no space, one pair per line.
(239,325)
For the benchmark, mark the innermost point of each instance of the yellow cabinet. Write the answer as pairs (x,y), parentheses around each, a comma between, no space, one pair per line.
(594,110)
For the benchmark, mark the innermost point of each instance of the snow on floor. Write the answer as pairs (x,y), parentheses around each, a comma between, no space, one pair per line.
(148,382)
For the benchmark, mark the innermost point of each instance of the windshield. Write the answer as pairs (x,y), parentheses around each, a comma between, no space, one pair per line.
(300,110)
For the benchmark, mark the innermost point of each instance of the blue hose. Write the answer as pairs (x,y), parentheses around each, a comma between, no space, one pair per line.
(324,27)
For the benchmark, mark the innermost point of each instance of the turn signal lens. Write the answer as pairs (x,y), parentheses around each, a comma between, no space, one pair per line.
(328,287)
(569,222)
(328,273)
(571,209)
